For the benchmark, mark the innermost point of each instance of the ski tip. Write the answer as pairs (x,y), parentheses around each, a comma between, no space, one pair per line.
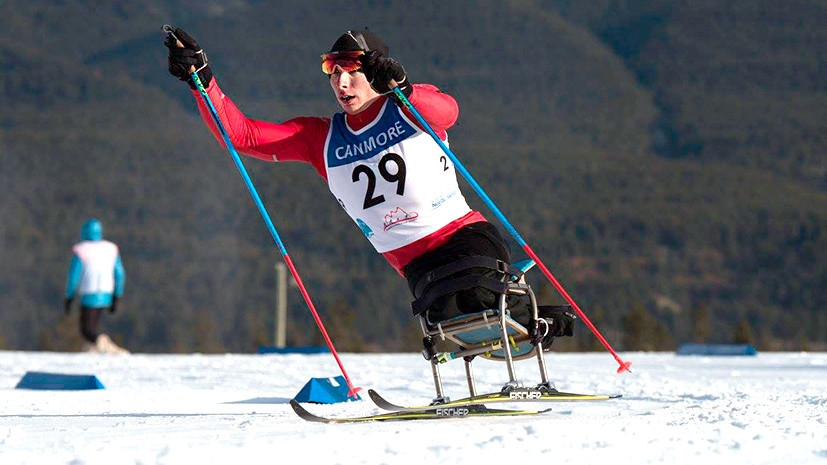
(381,402)
(375,396)
(297,407)
(304,414)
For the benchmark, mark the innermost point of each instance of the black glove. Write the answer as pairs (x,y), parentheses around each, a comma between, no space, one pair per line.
(183,59)
(381,70)
(67,306)
(114,305)
(562,319)
(558,321)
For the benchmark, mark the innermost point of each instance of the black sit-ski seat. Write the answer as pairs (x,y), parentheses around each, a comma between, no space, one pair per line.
(492,333)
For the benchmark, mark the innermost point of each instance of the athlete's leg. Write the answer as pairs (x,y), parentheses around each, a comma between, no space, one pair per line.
(89,323)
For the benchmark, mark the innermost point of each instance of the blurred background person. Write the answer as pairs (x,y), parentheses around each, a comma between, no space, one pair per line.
(97,275)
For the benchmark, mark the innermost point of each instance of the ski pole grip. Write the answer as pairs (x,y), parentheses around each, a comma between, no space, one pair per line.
(171,32)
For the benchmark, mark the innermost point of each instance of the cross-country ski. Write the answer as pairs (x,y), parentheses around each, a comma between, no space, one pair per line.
(517,395)
(436,413)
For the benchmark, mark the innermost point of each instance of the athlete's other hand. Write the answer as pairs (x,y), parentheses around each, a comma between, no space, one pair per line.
(385,73)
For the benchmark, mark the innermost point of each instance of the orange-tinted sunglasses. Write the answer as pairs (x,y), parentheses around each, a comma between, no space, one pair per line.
(348,61)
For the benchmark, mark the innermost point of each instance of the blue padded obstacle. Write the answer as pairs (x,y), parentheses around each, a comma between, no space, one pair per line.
(58,381)
(293,350)
(716,349)
(325,391)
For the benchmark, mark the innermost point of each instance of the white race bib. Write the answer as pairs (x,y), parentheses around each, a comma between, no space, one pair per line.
(392,178)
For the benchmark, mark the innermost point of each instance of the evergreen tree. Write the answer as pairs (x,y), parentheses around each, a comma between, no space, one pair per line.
(700,324)
(743,333)
(636,324)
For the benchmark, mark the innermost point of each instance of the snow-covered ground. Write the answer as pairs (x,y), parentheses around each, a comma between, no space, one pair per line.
(233,409)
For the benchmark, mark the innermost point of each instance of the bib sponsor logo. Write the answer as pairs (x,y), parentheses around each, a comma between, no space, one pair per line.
(398,216)
(372,144)
(438,203)
(364,227)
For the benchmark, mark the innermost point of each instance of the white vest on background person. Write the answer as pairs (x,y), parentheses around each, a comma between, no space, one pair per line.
(98,259)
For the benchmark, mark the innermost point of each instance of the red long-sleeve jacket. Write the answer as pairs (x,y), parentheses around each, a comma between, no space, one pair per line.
(302,139)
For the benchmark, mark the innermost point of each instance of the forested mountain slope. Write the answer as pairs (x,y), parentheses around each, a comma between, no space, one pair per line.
(665,159)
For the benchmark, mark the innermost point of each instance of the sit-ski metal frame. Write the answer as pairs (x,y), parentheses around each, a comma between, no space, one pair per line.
(491,333)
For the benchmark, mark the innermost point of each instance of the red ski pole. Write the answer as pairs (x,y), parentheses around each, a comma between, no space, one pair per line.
(352,391)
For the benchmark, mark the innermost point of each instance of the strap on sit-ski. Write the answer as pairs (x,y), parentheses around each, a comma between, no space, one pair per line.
(433,284)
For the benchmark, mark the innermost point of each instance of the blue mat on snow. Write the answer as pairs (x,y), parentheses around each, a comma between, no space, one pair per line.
(58,381)
(325,391)
(293,350)
(716,349)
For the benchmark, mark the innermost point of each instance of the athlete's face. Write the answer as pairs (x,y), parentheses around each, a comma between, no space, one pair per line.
(352,90)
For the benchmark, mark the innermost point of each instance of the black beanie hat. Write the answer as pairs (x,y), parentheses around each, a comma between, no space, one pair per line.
(364,40)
